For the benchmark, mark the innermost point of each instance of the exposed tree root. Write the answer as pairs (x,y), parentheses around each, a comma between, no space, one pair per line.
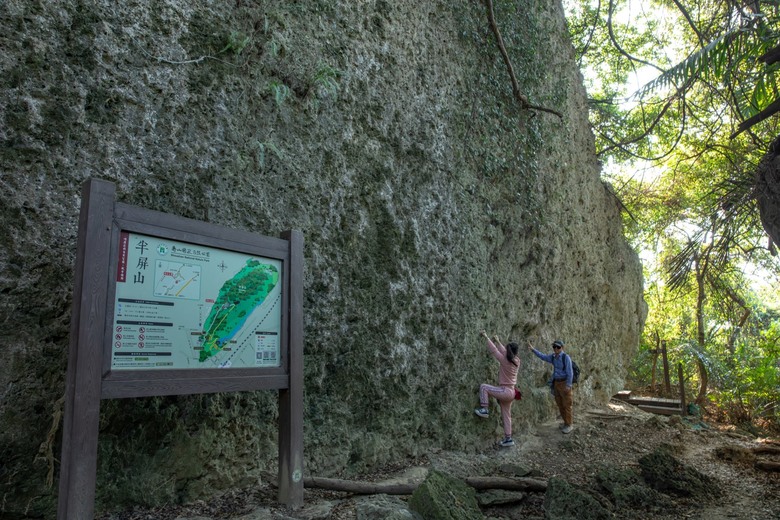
(522,99)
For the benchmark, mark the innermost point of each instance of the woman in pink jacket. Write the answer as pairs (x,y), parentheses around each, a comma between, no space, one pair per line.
(505,391)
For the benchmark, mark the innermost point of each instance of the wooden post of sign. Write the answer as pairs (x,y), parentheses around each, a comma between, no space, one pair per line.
(90,377)
(78,462)
(291,398)
(667,381)
(683,405)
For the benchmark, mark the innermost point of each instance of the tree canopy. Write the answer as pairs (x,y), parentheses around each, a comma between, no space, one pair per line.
(683,97)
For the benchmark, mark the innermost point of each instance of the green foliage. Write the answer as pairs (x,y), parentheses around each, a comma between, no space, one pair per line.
(706,66)
(749,382)
(669,84)
(744,380)
(325,80)
(236,42)
(274,47)
(712,62)
(733,56)
(262,149)
(279,91)
(323,84)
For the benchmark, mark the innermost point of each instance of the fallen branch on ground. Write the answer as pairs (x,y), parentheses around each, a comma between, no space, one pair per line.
(360,488)
(507,484)
(769,450)
(739,436)
(407,488)
(768,466)
(607,415)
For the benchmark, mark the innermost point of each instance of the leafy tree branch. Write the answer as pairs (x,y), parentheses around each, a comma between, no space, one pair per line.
(616,44)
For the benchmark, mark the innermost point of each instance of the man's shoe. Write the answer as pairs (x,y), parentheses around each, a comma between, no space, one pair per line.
(482,412)
(507,442)
(567,429)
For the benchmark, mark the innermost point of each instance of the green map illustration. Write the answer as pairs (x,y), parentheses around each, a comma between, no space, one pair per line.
(237,299)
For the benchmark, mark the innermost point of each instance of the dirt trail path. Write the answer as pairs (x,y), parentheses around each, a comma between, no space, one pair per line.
(620,434)
(617,435)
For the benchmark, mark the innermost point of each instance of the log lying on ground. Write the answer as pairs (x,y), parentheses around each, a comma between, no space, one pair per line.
(507,484)
(770,450)
(407,488)
(768,466)
(360,488)
(602,415)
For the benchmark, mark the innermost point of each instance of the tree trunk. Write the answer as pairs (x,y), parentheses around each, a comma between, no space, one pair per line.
(703,381)
(736,298)
(655,359)
(771,56)
(700,338)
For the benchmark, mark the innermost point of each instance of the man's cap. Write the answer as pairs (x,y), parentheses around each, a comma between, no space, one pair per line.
(557,343)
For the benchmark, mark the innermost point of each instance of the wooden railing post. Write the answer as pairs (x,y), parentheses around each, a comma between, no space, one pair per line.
(656,351)
(667,382)
(683,406)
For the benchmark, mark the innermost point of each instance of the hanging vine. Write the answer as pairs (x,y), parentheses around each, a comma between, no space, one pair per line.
(521,98)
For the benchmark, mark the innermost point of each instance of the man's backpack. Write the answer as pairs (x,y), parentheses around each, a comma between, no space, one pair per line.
(575,377)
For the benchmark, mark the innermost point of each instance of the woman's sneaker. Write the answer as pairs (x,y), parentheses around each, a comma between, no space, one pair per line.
(482,412)
(567,429)
(507,442)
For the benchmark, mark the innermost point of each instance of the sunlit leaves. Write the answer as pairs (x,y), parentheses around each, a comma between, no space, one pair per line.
(703,50)
(669,81)
(713,62)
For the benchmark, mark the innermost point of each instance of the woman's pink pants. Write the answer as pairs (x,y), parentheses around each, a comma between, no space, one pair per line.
(505,395)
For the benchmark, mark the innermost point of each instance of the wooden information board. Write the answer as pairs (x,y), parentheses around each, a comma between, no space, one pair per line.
(165,305)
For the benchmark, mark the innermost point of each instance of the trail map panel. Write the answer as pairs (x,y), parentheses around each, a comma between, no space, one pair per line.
(184,306)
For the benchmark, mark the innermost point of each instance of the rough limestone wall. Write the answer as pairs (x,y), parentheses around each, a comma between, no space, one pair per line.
(431,206)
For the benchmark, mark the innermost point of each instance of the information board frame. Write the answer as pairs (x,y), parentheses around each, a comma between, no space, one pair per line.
(90,377)
(139,383)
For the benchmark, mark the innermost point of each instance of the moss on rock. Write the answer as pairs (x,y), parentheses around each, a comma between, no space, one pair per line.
(443,497)
(628,490)
(664,472)
(563,501)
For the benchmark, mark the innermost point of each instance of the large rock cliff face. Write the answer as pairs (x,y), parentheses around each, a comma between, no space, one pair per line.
(431,206)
